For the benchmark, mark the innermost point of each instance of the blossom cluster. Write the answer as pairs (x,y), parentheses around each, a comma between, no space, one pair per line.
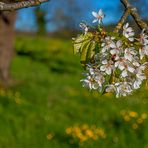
(118,66)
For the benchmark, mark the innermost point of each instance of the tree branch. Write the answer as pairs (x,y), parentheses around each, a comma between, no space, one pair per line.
(19,5)
(138,20)
(122,20)
(130,10)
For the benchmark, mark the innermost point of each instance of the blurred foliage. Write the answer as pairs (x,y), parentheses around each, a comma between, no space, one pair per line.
(41,21)
(48,102)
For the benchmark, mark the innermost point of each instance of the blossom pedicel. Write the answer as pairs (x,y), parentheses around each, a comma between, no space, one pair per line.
(114,62)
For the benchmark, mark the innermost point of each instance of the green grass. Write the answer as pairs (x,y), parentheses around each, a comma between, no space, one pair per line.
(48,98)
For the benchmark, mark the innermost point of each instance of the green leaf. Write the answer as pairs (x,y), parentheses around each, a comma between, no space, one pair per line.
(84,50)
(91,50)
(79,41)
(80,38)
(77,47)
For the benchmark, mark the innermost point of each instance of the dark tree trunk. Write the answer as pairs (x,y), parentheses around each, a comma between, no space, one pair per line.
(7,20)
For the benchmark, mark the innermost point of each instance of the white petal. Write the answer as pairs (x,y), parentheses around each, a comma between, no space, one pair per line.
(130,69)
(95,14)
(94,21)
(116,64)
(104,49)
(124,74)
(108,71)
(103,44)
(128,57)
(131,39)
(119,43)
(127,24)
(100,12)
(113,45)
(121,67)
(113,52)
(102,68)
(104,62)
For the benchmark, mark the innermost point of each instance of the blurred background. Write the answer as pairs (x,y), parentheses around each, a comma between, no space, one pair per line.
(42,103)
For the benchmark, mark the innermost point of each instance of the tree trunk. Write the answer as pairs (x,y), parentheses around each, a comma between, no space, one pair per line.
(7,20)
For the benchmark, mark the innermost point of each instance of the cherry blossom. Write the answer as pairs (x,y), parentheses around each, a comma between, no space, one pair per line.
(143,38)
(98,16)
(143,51)
(128,32)
(129,53)
(84,26)
(107,66)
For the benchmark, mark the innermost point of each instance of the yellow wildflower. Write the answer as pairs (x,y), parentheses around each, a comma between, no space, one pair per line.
(143,115)
(133,114)
(134,126)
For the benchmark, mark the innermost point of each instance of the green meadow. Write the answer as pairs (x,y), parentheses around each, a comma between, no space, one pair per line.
(46,107)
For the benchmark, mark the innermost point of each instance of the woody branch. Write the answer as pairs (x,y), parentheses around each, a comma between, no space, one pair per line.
(19,5)
(130,10)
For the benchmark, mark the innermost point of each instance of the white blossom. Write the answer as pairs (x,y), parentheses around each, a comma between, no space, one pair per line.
(140,72)
(116,48)
(128,32)
(107,66)
(120,63)
(127,68)
(89,82)
(94,78)
(143,51)
(84,26)
(98,16)
(111,88)
(143,38)
(107,42)
(123,89)
(129,53)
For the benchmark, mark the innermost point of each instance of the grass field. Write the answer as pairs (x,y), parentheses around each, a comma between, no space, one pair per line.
(48,108)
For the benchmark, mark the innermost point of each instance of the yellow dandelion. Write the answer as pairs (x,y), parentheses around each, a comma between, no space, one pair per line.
(89,133)
(101,133)
(143,116)
(84,127)
(133,114)
(83,138)
(77,130)
(126,118)
(69,130)
(134,126)
(50,136)
(78,135)
(139,120)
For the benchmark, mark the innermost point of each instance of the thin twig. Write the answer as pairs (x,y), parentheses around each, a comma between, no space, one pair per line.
(130,10)
(122,20)
(138,20)
(19,5)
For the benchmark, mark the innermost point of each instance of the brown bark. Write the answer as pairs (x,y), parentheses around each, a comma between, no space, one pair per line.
(130,10)
(15,4)
(7,20)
